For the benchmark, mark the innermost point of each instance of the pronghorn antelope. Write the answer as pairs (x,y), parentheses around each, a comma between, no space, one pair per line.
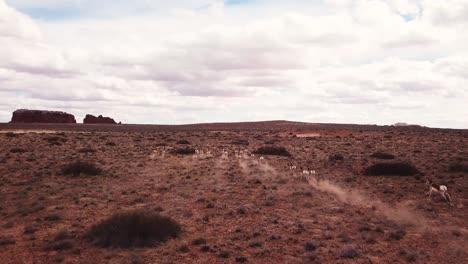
(291,166)
(442,189)
(307,173)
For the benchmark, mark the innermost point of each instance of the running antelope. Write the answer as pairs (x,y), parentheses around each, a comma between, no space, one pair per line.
(442,189)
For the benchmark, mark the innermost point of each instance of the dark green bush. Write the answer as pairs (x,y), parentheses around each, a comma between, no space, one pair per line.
(458,167)
(81,168)
(183,151)
(381,155)
(272,150)
(133,229)
(393,168)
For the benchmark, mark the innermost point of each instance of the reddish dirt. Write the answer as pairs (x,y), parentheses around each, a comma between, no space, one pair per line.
(244,207)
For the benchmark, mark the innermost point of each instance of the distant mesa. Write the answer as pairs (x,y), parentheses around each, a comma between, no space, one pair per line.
(90,119)
(41,116)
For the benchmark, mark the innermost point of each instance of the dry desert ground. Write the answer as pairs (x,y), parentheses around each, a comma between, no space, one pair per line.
(234,206)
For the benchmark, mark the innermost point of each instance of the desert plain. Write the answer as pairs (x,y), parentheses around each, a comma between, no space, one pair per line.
(235,206)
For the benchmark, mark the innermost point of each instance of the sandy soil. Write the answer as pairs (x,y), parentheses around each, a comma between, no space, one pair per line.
(247,209)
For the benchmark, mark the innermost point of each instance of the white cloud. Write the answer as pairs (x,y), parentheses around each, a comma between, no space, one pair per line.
(364,61)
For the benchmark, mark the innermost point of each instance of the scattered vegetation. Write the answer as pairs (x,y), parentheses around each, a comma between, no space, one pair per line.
(382,155)
(458,167)
(81,168)
(199,241)
(336,157)
(18,150)
(8,240)
(87,150)
(133,229)
(55,140)
(61,241)
(391,169)
(52,217)
(183,151)
(310,246)
(272,150)
(11,135)
(348,251)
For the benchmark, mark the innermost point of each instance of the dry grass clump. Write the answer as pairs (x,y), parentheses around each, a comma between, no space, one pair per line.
(55,140)
(133,229)
(458,167)
(336,157)
(183,151)
(11,135)
(78,168)
(391,169)
(348,251)
(382,155)
(87,150)
(18,150)
(272,150)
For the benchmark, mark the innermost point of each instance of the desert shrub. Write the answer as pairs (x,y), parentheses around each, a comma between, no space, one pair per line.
(11,135)
(458,167)
(78,168)
(336,157)
(183,142)
(397,234)
(348,251)
(18,150)
(52,217)
(133,229)
(87,150)
(394,168)
(272,150)
(310,246)
(241,259)
(8,240)
(381,155)
(224,254)
(183,151)
(110,143)
(199,241)
(55,140)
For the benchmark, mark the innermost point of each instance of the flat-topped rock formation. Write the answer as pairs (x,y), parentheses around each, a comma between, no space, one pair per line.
(41,116)
(90,119)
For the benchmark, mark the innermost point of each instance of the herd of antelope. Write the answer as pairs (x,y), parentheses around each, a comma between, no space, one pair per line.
(305,173)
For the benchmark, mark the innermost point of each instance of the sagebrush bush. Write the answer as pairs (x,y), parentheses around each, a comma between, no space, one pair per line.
(458,167)
(87,150)
(18,150)
(11,135)
(78,168)
(272,150)
(133,229)
(55,140)
(336,157)
(381,155)
(391,169)
(348,251)
(183,151)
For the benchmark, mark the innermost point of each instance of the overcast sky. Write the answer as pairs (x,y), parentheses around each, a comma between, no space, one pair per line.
(190,61)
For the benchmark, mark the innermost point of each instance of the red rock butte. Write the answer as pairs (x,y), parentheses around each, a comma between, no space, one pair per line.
(41,116)
(90,119)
